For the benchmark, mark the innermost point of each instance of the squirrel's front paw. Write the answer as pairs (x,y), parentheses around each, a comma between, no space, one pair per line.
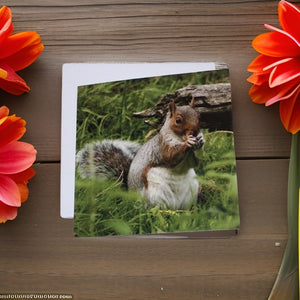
(191,141)
(199,141)
(195,142)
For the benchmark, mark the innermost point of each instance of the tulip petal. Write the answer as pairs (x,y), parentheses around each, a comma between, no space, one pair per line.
(261,67)
(276,71)
(284,72)
(3,74)
(276,44)
(262,93)
(18,41)
(24,191)
(12,128)
(25,57)
(290,112)
(259,78)
(289,16)
(282,32)
(277,63)
(23,176)
(21,179)
(4,111)
(16,157)
(9,192)
(6,25)
(260,62)
(283,94)
(7,212)
(15,87)
(13,83)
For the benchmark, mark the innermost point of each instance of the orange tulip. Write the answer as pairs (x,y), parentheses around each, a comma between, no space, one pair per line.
(17,51)
(16,159)
(276,71)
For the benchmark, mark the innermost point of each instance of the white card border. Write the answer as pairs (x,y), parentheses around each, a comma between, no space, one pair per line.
(78,74)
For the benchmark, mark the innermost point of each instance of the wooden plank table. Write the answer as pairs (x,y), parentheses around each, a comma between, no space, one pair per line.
(38,252)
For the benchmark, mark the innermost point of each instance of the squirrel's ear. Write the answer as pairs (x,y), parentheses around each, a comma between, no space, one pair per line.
(172,108)
(192,104)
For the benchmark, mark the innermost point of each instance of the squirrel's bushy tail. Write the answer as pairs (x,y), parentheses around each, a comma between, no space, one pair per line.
(108,159)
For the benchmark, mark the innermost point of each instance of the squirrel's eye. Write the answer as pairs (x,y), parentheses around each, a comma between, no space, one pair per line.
(178,120)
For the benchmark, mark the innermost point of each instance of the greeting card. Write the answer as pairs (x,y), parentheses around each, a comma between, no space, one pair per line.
(148,149)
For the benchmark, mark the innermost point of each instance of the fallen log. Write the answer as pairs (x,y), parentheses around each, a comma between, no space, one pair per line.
(213,101)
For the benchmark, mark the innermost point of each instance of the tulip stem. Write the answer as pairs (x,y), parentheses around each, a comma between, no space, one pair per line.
(287,282)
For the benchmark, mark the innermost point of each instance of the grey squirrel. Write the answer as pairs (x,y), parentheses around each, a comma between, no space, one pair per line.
(161,169)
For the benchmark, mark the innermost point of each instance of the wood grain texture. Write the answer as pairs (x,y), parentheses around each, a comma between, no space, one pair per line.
(73,31)
(38,252)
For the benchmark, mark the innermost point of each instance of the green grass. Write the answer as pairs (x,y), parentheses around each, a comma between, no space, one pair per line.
(107,208)
(105,110)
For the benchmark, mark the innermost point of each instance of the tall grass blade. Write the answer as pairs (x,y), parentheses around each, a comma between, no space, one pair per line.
(286,286)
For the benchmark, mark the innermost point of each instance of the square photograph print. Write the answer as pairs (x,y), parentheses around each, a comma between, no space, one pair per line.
(155,155)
